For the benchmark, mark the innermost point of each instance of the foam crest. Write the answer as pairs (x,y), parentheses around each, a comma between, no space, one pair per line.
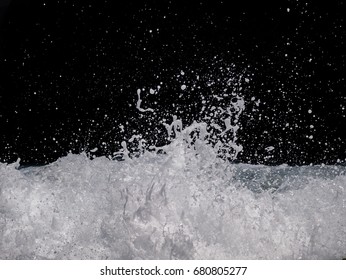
(184,199)
(171,206)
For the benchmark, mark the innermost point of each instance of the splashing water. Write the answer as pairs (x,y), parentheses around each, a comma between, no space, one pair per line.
(183,200)
(172,206)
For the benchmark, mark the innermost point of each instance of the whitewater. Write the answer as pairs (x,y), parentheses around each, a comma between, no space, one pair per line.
(184,200)
(160,207)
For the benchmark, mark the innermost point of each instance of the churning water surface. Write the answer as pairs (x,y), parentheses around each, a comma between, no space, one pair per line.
(177,205)
(185,200)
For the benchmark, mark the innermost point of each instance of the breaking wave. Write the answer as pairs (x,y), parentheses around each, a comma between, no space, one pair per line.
(183,200)
(172,206)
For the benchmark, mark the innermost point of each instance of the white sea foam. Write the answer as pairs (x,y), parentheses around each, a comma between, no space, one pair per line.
(171,206)
(185,200)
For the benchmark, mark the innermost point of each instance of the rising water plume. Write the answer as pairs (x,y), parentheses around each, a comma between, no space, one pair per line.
(182,200)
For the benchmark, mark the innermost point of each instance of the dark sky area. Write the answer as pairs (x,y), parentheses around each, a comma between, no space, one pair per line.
(70,70)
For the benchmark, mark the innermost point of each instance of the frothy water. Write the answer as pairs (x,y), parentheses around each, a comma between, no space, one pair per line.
(171,206)
(185,200)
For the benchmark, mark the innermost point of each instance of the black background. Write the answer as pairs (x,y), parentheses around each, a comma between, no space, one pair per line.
(70,69)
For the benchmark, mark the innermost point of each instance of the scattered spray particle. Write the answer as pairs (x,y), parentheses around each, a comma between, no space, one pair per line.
(139,101)
(270,148)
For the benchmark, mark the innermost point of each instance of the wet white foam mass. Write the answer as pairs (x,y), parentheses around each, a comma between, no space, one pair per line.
(172,206)
(185,200)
